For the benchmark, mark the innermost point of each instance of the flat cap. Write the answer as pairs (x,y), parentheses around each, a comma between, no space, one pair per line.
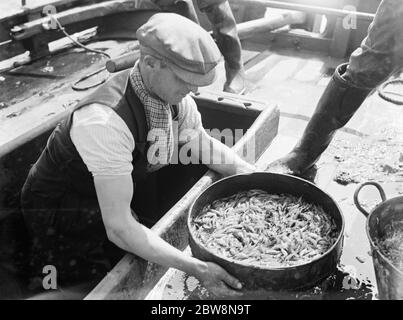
(187,48)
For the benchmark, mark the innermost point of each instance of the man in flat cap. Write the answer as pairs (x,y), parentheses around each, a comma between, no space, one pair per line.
(222,20)
(78,194)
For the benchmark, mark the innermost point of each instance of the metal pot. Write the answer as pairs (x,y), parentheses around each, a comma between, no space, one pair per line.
(254,277)
(389,279)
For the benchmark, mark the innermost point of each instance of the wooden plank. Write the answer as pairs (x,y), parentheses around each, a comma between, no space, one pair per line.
(250,28)
(13,9)
(272,69)
(36,37)
(248,55)
(307,8)
(257,71)
(8,48)
(294,39)
(283,70)
(311,71)
(78,14)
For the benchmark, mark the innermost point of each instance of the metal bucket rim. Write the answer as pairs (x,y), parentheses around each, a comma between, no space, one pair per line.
(374,247)
(322,256)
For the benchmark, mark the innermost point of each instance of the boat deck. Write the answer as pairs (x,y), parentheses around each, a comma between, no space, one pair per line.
(293,80)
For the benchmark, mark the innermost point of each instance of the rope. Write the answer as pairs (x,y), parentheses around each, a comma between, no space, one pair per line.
(74,85)
(386,95)
(77,88)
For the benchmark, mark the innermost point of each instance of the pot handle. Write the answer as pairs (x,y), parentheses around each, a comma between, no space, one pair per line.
(356,201)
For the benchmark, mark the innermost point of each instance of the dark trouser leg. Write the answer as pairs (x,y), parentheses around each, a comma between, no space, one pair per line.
(220,15)
(70,237)
(379,56)
(381,53)
(337,105)
(186,9)
(224,25)
(183,7)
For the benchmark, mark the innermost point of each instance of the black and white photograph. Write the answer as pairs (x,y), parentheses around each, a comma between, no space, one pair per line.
(201,156)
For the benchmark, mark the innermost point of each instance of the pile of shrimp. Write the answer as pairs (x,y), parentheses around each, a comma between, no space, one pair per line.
(265,230)
(391,244)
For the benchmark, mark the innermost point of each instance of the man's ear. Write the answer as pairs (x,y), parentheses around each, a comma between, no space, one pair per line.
(150,61)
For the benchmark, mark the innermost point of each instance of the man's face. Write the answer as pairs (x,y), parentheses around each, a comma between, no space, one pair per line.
(167,85)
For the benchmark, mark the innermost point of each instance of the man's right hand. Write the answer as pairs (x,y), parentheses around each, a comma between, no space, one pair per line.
(219,282)
(294,164)
(279,166)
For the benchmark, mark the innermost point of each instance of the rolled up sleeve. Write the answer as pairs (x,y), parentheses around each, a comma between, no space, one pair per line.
(103,141)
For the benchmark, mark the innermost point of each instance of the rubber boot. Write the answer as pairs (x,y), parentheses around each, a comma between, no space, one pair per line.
(337,105)
(222,19)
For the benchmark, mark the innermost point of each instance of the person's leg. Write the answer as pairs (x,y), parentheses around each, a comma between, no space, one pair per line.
(68,235)
(182,7)
(337,105)
(220,15)
(222,19)
(374,62)
(381,52)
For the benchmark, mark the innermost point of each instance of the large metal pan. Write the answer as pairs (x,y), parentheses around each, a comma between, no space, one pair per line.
(389,279)
(287,278)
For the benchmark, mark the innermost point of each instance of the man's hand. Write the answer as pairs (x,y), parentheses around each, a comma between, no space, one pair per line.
(279,166)
(219,282)
(114,195)
(291,164)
